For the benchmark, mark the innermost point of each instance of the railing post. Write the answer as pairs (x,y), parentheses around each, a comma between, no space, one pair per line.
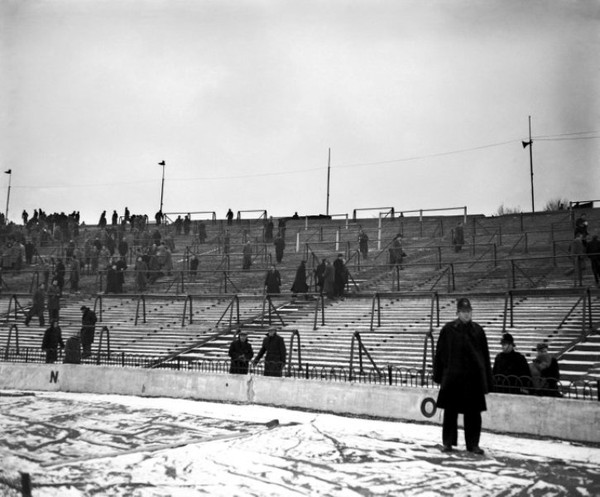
(526,244)
(495,252)
(439,257)
(390,374)
(512,316)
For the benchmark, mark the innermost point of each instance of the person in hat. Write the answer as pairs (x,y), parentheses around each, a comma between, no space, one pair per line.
(88,329)
(511,371)
(545,372)
(241,353)
(462,368)
(51,341)
(274,348)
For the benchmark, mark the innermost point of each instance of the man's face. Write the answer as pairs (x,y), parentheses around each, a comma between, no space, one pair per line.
(243,337)
(465,315)
(506,347)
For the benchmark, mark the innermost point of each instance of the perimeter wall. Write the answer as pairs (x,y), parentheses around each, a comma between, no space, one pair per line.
(566,419)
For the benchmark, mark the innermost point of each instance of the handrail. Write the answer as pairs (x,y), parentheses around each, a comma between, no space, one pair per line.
(320,299)
(234,300)
(428,338)
(375,298)
(141,298)
(188,298)
(513,267)
(16,328)
(104,329)
(295,333)
(266,299)
(99,314)
(13,297)
(361,349)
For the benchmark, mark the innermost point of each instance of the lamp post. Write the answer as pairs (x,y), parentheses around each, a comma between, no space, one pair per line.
(9,172)
(162,185)
(530,145)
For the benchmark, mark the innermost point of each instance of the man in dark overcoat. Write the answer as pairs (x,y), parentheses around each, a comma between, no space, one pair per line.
(240,352)
(462,368)
(88,330)
(274,348)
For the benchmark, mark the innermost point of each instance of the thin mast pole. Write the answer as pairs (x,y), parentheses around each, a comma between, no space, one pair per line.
(162,185)
(328,177)
(8,195)
(531,165)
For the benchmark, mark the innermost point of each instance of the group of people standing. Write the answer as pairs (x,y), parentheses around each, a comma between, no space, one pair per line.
(273,349)
(462,368)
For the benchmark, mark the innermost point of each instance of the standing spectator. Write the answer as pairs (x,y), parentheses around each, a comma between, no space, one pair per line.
(279,243)
(241,353)
(60,270)
(102,221)
(329,280)
(320,276)
(247,255)
(281,227)
(121,267)
(51,341)
(54,301)
(581,227)
(123,247)
(141,274)
(25,217)
(593,251)
(194,263)
(458,237)
(73,350)
(38,305)
(229,216)
(202,232)
(88,330)
(158,217)
(462,368)
(112,279)
(396,252)
(273,280)
(29,251)
(363,244)
(511,371)
(115,218)
(269,231)
(299,285)
(545,372)
(274,347)
(340,276)
(187,224)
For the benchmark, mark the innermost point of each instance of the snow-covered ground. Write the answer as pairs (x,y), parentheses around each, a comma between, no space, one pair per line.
(78,444)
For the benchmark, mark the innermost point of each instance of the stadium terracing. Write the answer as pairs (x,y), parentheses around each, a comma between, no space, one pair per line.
(516,269)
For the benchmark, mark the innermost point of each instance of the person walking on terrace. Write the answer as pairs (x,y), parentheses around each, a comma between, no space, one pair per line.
(300,285)
(38,305)
(53,301)
(241,353)
(273,281)
(511,371)
(51,341)
(462,368)
(274,348)
(88,330)
(363,244)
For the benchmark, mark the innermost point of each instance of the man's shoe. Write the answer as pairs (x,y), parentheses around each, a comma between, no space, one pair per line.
(476,450)
(446,448)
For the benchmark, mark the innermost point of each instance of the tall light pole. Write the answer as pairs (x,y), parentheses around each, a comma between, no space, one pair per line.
(328,176)
(9,172)
(530,145)
(162,185)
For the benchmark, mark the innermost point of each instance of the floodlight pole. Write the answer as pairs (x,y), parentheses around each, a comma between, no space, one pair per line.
(9,172)
(328,176)
(162,185)
(531,165)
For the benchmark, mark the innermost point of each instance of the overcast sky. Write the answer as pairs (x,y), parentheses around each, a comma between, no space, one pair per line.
(424,104)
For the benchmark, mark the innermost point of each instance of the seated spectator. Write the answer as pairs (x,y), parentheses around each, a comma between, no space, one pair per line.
(545,372)
(511,372)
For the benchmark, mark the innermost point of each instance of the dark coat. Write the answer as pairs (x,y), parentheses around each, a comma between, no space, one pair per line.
(52,339)
(462,367)
(73,350)
(300,285)
(513,370)
(274,348)
(240,353)
(273,281)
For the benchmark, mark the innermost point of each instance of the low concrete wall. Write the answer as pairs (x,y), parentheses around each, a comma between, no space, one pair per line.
(565,419)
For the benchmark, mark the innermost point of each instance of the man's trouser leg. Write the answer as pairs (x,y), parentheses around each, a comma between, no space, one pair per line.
(450,428)
(472,429)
